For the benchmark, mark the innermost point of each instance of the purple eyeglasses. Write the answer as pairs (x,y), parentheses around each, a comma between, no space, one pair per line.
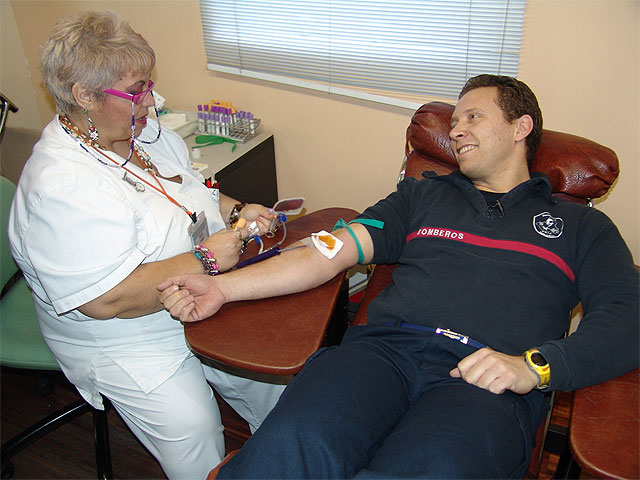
(138,98)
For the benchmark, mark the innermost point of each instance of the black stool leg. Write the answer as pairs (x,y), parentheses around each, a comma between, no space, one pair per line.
(101,439)
(53,421)
(38,430)
(7,470)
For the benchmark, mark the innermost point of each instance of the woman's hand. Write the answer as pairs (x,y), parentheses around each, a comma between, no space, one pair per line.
(226,246)
(260,214)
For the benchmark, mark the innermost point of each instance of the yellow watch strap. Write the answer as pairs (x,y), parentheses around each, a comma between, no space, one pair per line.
(542,371)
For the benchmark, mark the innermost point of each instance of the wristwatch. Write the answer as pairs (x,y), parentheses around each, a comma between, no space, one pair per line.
(538,365)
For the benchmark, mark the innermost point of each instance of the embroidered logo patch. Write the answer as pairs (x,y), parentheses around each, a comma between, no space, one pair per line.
(547,225)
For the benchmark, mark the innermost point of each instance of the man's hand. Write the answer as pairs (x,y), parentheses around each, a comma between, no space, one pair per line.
(191,297)
(496,372)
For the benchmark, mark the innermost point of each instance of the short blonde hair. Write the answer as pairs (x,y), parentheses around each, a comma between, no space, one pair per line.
(93,49)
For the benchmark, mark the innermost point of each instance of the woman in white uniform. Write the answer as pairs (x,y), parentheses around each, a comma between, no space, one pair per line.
(107,207)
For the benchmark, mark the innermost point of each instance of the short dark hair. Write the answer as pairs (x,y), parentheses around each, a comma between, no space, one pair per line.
(515,99)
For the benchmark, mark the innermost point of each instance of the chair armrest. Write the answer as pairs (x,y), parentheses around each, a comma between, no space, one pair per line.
(378,280)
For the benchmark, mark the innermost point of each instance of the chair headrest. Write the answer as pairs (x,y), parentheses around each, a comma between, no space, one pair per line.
(578,168)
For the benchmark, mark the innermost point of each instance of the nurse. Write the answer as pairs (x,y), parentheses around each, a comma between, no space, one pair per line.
(106,208)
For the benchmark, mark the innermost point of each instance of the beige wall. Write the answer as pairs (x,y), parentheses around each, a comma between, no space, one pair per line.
(580,57)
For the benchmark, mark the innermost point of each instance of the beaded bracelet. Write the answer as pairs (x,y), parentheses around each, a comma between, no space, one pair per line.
(234,214)
(209,263)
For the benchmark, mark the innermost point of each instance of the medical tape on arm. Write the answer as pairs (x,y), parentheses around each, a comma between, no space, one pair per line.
(327,244)
(365,221)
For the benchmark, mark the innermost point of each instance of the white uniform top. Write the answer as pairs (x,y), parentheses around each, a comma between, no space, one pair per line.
(77,230)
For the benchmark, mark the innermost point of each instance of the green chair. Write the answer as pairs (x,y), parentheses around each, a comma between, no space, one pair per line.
(22,346)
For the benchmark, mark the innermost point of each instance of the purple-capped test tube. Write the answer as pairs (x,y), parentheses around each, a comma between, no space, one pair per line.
(201,123)
(252,124)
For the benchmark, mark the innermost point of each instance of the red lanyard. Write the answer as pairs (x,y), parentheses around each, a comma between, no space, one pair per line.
(161,190)
(84,142)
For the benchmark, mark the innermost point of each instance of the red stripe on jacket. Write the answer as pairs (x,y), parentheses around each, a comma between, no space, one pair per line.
(464,237)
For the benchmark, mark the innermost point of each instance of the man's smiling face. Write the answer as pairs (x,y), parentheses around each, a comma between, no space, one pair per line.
(483,141)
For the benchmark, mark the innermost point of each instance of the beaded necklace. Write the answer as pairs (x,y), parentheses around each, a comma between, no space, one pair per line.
(84,141)
(93,149)
(145,159)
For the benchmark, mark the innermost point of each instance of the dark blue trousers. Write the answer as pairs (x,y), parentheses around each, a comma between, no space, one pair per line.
(382,405)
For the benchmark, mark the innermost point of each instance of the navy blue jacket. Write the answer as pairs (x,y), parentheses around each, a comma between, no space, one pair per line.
(509,274)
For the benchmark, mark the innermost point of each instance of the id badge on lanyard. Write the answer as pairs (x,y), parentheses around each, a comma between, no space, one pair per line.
(199,231)
(214,190)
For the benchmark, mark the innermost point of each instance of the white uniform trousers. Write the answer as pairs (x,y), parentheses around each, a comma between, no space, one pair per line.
(179,421)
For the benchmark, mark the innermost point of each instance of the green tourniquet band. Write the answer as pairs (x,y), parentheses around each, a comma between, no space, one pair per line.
(379,224)
(365,221)
(342,224)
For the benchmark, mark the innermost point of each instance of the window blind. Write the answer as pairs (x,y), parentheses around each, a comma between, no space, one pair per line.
(383,50)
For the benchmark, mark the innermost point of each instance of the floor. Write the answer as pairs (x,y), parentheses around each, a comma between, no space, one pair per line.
(68,452)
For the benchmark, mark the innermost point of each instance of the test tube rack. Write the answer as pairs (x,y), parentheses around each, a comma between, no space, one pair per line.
(225,121)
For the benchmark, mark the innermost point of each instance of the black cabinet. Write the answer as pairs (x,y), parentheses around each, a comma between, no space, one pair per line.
(247,173)
(251,177)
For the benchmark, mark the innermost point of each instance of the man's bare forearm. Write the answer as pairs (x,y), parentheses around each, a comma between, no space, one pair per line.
(194,297)
(290,272)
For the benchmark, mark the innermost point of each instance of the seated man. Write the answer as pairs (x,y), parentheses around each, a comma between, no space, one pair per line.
(487,252)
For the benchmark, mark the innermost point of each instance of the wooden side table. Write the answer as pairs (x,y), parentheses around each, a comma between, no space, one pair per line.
(604,430)
(270,339)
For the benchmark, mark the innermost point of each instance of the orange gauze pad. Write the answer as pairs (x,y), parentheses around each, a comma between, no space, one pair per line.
(326,243)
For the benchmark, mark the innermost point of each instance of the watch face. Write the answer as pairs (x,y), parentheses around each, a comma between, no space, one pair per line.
(538,359)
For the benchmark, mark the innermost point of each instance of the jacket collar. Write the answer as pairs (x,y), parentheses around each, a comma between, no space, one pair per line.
(537,185)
